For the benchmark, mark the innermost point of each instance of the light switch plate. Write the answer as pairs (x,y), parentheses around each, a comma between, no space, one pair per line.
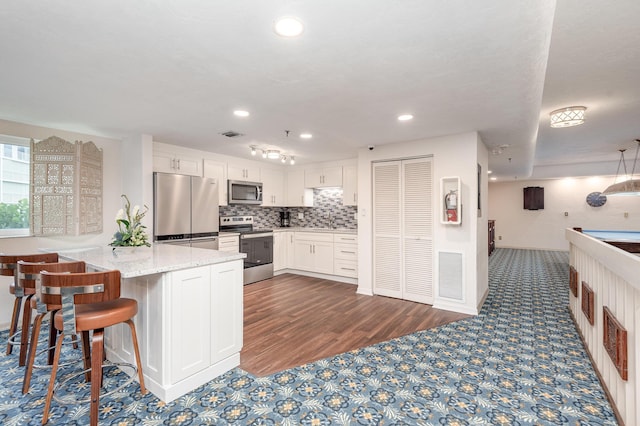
(300,215)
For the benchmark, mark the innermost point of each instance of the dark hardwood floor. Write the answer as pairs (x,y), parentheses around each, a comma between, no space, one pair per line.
(291,320)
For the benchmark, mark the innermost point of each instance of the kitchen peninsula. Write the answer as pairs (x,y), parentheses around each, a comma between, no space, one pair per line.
(189,320)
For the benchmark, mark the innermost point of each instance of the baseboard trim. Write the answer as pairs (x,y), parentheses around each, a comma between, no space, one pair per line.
(338,278)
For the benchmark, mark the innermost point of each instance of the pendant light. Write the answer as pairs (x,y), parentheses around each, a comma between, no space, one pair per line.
(630,186)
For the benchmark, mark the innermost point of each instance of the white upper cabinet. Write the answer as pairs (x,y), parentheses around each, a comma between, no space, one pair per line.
(323,177)
(350,186)
(243,171)
(172,162)
(297,194)
(218,171)
(272,187)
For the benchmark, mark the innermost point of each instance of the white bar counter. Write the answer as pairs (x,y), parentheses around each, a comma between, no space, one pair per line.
(190,312)
(614,277)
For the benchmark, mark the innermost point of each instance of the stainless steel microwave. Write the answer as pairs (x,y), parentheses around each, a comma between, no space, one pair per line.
(241,192)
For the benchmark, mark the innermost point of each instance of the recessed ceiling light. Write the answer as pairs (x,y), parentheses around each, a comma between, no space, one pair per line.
(493,178)
(306,135)
(288,26)
(241,113)
(489,172)
(405,117)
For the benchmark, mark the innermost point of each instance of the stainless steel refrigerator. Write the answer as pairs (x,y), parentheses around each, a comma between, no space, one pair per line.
(185,210)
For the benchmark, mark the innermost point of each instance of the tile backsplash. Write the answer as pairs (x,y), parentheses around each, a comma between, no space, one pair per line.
(327,207)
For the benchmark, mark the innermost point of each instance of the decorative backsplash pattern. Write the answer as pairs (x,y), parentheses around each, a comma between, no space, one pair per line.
(327,209)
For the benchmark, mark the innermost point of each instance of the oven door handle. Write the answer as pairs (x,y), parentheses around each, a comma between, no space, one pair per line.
(262,235)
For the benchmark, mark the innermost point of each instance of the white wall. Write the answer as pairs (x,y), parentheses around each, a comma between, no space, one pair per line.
(112,188)
(544,229)
(482,234)
(455,155)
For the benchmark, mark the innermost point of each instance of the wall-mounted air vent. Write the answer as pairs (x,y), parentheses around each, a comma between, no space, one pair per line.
(231,134)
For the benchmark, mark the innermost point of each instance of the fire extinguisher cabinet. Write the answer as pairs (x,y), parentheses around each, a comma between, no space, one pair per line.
(450,201)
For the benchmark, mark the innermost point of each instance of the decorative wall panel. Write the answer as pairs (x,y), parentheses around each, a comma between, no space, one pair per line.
(573,281)
(588,300)
(615,342)
(66,187)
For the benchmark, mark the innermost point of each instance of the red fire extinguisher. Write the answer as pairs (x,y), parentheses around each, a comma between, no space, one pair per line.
(451,206)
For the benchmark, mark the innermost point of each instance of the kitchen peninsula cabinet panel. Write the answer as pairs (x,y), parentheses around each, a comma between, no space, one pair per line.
(226,308)
(324,177)
(298,195)
(168,162)
(190,295)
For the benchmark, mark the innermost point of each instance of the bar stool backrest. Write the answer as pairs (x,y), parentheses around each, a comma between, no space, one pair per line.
(29,276)
(68,290)
(9,264)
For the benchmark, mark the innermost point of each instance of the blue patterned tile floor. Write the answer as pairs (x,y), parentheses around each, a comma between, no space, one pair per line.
(519,362)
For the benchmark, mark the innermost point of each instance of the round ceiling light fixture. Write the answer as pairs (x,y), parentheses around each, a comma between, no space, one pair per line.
(288,26)
(405,117)
(567,117)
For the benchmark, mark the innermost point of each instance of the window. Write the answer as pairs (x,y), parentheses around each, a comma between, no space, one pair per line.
(14,186)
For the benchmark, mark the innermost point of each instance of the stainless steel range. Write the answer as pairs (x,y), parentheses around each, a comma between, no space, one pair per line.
(256,243)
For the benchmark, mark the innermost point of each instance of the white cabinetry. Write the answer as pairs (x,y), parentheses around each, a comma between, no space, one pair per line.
(190,349)
(229,243)
(281,250)
(298,195)
(324,177)
(189,325)
(171,162)
(345,249)
(272,187)
(227,310)
(350,186)
(243,171)
(218,171)
(313,252)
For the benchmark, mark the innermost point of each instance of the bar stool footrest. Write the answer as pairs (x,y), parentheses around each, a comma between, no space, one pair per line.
(70,400)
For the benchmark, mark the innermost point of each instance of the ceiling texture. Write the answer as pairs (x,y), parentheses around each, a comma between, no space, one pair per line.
(177,69)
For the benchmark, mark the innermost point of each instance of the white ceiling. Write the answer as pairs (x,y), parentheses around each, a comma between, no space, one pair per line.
(177,69)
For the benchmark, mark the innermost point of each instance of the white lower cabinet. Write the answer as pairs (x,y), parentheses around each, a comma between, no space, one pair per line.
(226,311)
(313,252)
(190,351)
(280,250)
(229,243)
(345,259)
(189,326)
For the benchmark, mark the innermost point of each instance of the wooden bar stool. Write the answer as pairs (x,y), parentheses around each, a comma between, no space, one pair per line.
(90,302)
(8,267)
(29,279)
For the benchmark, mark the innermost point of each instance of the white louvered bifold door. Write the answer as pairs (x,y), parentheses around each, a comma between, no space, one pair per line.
(417,230)
(387,251)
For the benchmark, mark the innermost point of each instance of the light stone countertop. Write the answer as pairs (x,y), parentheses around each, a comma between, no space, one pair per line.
(323,230)
(156,259)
